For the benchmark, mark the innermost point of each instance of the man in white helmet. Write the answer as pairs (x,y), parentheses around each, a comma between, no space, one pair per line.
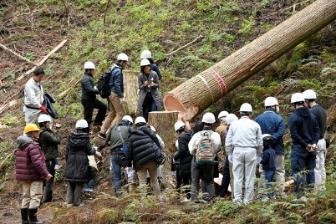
(116,86)
(116,139)
(204,146)
(146,54)
(244,143)
(149,96)
(321,118)
(272,123)
(89,92)
(305,134)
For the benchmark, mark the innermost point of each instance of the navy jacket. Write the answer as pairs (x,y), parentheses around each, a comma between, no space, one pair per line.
(182,155)
(116,82)
(156,69)
(268,159)
(321,118)
(273,124)
(303,128)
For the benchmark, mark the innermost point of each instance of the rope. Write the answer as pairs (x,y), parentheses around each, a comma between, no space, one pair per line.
(220,81)
(207,85)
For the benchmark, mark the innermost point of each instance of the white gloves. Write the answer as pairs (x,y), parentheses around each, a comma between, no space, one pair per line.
(230,158)
(258,160)
(98,154)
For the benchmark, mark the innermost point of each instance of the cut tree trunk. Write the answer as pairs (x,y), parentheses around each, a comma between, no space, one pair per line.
(197,93)
(131,92)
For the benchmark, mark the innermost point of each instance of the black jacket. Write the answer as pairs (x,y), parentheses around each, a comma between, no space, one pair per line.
(268,159)
(303,128)
(144,146)
(182,156)
(77,163)
(49,142)
(88,90)
(321,118)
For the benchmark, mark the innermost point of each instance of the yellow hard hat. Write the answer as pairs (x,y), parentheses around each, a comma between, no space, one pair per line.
(30,128)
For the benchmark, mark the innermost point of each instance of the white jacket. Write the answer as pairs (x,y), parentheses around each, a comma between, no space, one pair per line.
(33,94)
(244,133)
(215,137)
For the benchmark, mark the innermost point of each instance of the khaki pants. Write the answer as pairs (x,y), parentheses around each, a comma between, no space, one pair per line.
(115,113)
(152,169)
(31,194)
(280,172)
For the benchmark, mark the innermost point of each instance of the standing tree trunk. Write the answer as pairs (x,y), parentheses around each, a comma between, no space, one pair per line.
(197,93)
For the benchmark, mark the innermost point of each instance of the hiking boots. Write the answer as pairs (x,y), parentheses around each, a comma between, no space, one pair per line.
(24,215)
(33,217)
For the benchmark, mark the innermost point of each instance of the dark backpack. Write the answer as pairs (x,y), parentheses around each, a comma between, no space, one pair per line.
(103,83)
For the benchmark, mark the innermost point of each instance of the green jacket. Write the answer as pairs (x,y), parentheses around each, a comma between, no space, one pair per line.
(49,142)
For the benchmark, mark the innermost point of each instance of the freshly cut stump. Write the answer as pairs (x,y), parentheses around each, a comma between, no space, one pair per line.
(131,92)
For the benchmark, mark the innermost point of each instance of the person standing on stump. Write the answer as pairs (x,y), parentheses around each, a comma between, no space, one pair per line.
(149,96)
(49,142)
(272,123)
(116,87)
(77,163)
(204,146)
(244,143)
(89,92)
(305,134)
(31,171)
(34,97)
(146,54)
(321,118)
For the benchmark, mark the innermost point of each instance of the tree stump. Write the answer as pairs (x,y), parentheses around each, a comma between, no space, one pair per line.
(131,92)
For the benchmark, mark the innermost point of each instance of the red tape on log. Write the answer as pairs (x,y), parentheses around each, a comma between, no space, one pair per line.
(220,81)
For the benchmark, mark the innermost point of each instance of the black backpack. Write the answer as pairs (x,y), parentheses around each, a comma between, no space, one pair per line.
(103,83)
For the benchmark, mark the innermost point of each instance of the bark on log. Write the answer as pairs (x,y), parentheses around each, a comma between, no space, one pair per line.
(197,93)
(131,91)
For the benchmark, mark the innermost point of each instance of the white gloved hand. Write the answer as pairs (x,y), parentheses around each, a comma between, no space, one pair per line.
(95,88)
(230,158)
(98,154)
(258,160)
(122,99)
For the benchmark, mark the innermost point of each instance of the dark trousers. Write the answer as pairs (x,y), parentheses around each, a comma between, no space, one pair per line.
(148,105)
(92,177)
(74,193)
(116,171)
(303,164)
(183,183)
(204,173)
(226,179)
(48,185)
(89,106)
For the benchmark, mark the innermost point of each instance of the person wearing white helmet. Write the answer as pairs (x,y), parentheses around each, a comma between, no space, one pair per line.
(204,146)
(227,169)
(244,143)
(305,134)
(116,97)
(89,92)
(77,164)
(145,153)
(49,142)
(321,117)
(222,128)
(149,96)
(146,54)
(116,139)
(272,123)
(182,157)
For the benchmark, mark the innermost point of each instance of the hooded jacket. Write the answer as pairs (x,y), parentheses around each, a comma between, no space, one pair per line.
(29,160)
(182,155)
(144,146)
(77,163)
(88,90)
(49,142)
(303,128)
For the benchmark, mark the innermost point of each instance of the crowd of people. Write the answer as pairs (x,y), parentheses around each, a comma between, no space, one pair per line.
(138,150)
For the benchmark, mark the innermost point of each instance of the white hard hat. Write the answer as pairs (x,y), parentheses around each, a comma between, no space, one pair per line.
(178,125)
(246,107)
(153,129)
(43,118)
(140,120)
(127,118)
(82,124)
(223,114)
(271,101)
(209,118)
(122,57)
(309,94)
(145,54)
(297,97)
(89,65)
(231,118)
(144,62)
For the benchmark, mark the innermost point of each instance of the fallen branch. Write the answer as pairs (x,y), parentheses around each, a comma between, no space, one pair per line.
(185,46)
(17,54)
(65,92)
(60,45)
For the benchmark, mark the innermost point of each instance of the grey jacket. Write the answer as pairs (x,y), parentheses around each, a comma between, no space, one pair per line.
(154,91)
(114,136)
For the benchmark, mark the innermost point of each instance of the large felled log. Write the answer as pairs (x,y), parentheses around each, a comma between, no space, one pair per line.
(197,93)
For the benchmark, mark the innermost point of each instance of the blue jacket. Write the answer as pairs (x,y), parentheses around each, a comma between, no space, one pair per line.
(116,82)
(268,159)
(156,69)
(273,124)
(303,128)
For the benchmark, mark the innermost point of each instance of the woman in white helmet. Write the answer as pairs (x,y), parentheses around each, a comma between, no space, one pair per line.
(149,97)
(146,54)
